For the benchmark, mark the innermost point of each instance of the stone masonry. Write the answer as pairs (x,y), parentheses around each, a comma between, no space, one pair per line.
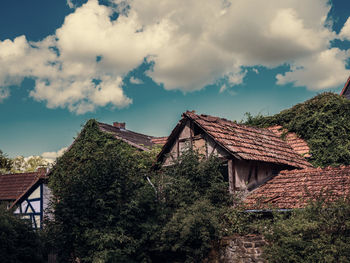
(239,249)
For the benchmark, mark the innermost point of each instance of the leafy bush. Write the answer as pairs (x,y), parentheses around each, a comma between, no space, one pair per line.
(318,233)
(18,241)
(188,235)
(323,121)
(194,197)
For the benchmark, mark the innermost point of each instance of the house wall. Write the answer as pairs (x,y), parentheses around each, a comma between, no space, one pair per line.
(242,174)
(34,204)
(249,174)
(200,142)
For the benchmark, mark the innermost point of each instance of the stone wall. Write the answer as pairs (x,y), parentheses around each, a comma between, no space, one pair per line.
(238,249)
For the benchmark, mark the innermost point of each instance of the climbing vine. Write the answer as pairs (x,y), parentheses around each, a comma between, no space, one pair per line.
(323,121)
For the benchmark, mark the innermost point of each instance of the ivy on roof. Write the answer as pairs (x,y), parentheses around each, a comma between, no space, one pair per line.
(323,121)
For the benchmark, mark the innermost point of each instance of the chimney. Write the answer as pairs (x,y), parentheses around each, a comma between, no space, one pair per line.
(120,125)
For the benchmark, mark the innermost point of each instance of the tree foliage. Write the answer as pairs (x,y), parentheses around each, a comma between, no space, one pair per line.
(103,207)
(318,233)
(30,164)
(18,241)
(323,121)
(194,198)
(111,207)
(5,163)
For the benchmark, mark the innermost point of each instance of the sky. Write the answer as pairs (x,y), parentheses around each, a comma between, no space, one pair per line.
(146,62)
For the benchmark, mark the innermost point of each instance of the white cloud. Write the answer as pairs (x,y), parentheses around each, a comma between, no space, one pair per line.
(192,44)
(345,31)
(321,71)
(70,4)
(223,88)
(50,157)
(134,80)
(236,78)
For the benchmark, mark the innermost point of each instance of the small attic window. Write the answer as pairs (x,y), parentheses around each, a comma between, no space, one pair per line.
(196,130)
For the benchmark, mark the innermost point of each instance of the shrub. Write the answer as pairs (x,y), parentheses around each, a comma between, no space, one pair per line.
(18,241)
(318,233)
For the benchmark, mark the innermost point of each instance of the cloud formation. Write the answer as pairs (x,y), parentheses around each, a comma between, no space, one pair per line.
(191,44)
(50,157)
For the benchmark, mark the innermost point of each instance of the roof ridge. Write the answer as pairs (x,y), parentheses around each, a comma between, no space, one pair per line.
(232,122)
(142,134)
(36,172)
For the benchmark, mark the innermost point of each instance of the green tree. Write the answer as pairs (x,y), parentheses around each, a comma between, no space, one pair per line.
(104,209)
(5,163)
(194,197)
(18,241)
(318,233)
(31,164)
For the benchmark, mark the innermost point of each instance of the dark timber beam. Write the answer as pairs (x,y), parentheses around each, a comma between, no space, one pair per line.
(231,176)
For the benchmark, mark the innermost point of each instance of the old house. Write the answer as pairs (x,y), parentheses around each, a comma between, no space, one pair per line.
(27,194)
(346,90)
(252,155)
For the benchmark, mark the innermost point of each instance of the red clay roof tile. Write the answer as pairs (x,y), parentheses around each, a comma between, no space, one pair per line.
(159,140)
(14,185)
(297,144)
(293,189)
(249,143)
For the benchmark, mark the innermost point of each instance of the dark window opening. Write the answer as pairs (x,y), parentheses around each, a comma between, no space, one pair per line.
(224,171)
(196,130)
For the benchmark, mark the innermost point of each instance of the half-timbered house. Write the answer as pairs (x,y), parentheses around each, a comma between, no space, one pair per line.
(252,155)
(27,194)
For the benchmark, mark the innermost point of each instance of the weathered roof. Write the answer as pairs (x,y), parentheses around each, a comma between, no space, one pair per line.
(248,143)
(138,140)
(293,189)
(12,186)
(159,140)
(345,91)
(298,145)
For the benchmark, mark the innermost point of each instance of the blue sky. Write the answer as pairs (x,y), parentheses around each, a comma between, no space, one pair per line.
(62,63)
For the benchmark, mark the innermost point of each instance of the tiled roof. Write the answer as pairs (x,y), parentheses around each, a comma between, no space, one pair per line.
(13,186)
(293,189)
(248,143)
(138,140)
(159,140)
(298,145)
